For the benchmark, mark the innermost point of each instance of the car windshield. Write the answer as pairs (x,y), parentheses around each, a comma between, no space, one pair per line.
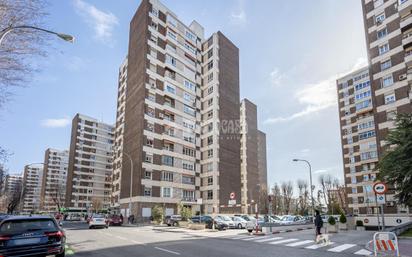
(16,226)
(98,216)
(226,218)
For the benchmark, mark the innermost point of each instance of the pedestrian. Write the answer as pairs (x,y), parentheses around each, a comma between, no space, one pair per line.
(318,223)
(121,218)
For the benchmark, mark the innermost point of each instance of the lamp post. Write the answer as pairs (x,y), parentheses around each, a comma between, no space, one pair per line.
(311,186)
(4,32)
(131,181)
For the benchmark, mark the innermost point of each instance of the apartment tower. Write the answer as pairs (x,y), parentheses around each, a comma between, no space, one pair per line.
(388,29)
(253,159)
(54,180)
(89,178)
(32,181)
(359,140)
(12,184)
(178,103)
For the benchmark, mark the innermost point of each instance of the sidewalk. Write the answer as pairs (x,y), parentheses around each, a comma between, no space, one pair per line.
(405,247)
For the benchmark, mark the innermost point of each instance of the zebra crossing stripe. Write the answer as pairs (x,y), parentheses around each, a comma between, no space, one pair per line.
(341,248)
(363,252)
(239,237)
(284,241)
(305,242)
(257,238)
(317,246)
(268,239)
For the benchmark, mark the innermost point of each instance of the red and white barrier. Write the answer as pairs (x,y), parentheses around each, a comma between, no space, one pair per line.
(385,242)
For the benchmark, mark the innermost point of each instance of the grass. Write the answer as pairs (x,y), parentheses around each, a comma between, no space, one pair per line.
(407,233)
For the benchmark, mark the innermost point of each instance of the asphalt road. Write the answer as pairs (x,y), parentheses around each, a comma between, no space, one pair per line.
(151,241)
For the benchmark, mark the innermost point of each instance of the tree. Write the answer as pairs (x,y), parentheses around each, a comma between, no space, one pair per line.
(303,200)
(20,46)
(57,195)
(157,213)
(97,204)
(395,167)
(15,199)
(263,200)
(287,194)
(276,199)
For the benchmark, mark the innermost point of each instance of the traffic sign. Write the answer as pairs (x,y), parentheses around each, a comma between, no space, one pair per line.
(380,188)
(232,202)
(199,200)
(399,221)
(380,199)
(366,221)
(232,195)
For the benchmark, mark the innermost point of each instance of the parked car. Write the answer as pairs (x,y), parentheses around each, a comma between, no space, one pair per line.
(173,220)
(201,219)
(98,220)
(227,220)
(73,217)
(4,216)
(31,236)
(115,220)
(219,225)
(239,222)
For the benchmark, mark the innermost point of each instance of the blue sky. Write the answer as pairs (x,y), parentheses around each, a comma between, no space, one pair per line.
(291,53)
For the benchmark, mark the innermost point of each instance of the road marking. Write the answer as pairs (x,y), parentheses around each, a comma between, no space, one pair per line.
(268,239)
(165,250)
(255,238)
(240,237)
(283,241)
(122,238)
(317,246)
(363,252)
(341,248)
(305,242)
(136,242)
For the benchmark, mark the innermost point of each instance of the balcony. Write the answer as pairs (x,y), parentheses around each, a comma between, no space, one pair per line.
(408,57)
(404,7)
(405,21)
(407,37)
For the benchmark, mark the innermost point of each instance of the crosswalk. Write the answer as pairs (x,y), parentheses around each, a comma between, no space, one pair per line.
(303,243)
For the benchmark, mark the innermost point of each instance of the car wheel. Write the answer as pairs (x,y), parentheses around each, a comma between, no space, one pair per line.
(61,254)
(175,224)
(169,225)
(239,226)
(90,227)
(107,226)
(250,230)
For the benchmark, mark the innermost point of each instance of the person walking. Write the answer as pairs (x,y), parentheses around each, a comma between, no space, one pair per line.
(318,223)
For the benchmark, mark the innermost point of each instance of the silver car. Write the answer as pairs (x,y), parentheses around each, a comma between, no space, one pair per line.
(239,222)
(226,220)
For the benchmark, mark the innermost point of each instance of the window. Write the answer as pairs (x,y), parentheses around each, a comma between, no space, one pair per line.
(210,77)
(386,64)
(151,97)
(387,81)
(148,174)
(153,39)
(166,192)
(155,12)
(362,85)
(367,134)
(363,95)
(189,151)
(363,104)
(210,65)
(171,34)
(352,169)
(209,180)
(369,155)
(353,180)
(350,140)
(149,142)
(172,21)
(390,98)
(391,115)
(210,53)
(209,167)
(354,190)
(171,89)
(189,110)
(189,180)
(210,90)
(190,35)
(171,60)
(210,102)
(147,191)
(189,85)
(209,127)
(189,195)
(209,140)
(171,48)
(383,48)
(209,194)
(209,114)
(209,153)
(382,33)
(188,165)
(149,158)
(379,18)
(167,176)
(188,137)
(377,3)
(170,131)
(188,124)
(153,25)
(365,125)
(168,147)
(190,48)
(188,97)
(352,159)
(167,160)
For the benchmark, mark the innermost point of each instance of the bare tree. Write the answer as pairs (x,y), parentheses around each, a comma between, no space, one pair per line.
(57,195)
(276,199)
(287,193)
(97,204)
(21,46)
(263,200)
(302,205)
(15,199)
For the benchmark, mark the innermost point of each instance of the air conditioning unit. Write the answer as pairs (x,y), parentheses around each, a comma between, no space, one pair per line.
(378,22)
(153,86)
(402,77)
(161,115)
(390,204)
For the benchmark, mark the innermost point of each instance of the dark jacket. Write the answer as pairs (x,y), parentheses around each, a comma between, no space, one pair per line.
(318,221)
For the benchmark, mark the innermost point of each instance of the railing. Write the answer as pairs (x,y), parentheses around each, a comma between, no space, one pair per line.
(402,1)
(400,228)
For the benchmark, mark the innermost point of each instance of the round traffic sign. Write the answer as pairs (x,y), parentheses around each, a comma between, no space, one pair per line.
(366,221)
(232,195)
(380,188)
(399,221)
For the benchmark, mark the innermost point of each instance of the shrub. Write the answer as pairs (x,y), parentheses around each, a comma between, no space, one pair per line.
(342,218)
(359,223)
(186,213)
(331,220)
(157,213)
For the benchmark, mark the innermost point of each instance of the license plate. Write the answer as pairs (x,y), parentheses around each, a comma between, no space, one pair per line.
(99,220)
(27,241)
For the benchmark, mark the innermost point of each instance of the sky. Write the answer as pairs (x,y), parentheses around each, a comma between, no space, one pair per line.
(291,53)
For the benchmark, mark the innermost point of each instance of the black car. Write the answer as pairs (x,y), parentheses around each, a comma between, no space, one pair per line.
(31,236)
(208,220)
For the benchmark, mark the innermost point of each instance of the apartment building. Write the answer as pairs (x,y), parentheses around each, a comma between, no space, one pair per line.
(89,178)
(253,159)
(388,29)
(54,180)
(359,140)
(32,181)
(178,103)
(12,184)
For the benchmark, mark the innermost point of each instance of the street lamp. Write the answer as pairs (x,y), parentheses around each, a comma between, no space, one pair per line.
(131,181)
(65,37)
(311,186)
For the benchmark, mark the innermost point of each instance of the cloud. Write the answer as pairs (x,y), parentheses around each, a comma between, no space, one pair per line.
(276,77)
(316,97)
(55,123)
(101,22)
(320,171)
(238,15)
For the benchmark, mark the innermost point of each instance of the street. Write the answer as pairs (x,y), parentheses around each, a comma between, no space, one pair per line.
(166,241)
